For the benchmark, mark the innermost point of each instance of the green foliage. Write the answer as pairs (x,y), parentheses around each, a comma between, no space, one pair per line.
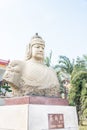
(65,64)
(76,73)
(64,69)
(4,88)
(47,59)
(78,92)
(72,96)
(82,127)
(84,100)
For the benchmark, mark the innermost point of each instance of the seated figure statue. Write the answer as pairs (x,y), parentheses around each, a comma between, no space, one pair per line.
(32,76)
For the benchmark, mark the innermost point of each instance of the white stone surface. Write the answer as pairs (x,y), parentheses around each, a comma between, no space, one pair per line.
(35,117)
(38,116)
(14,117)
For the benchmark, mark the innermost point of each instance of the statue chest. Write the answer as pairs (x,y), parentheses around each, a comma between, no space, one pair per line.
(34,72)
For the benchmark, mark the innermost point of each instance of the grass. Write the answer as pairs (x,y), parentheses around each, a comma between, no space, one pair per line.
(82,127)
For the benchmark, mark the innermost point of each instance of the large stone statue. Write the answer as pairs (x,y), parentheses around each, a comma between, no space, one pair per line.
(32,77)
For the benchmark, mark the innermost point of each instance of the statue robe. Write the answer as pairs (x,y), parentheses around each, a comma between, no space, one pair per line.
(31,78)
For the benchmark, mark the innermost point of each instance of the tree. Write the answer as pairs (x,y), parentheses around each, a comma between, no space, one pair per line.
(64,69)
(65,64)
(47,59)
(78,92)
(84,101)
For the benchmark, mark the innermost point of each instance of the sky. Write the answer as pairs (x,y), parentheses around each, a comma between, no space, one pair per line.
(61,23)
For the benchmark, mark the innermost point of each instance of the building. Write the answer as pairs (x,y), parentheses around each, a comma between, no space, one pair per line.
(3,65)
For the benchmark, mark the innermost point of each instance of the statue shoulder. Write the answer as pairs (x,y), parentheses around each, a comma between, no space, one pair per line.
(53,70)
(16,64)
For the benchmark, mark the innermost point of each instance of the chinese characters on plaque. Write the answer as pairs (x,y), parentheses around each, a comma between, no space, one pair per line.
(55,121)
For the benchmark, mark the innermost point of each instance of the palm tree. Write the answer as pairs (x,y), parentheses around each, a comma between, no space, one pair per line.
(65,64)
(47,59)
(64,69)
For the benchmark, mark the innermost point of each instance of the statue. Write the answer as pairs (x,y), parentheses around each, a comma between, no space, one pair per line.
(32,77)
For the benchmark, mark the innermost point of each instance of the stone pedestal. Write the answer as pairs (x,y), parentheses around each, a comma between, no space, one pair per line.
(37,113)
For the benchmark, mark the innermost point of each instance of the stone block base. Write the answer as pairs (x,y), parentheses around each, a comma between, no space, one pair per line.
(37,113)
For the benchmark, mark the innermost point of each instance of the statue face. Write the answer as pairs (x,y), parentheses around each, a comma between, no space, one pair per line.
(38,51)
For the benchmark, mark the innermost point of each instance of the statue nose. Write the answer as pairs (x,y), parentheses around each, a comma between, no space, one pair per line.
(41,49)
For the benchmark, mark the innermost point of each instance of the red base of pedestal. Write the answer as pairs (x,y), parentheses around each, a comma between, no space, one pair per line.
(35,100)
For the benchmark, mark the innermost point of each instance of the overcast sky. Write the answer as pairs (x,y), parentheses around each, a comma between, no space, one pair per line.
(61,23)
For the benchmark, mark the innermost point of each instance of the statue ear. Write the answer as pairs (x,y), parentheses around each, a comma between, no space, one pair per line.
(28,52)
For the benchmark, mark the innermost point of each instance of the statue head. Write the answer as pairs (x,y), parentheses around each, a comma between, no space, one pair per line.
(35,46)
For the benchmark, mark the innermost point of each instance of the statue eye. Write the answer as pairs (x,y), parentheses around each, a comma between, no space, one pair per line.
(37,47)
(43,48)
